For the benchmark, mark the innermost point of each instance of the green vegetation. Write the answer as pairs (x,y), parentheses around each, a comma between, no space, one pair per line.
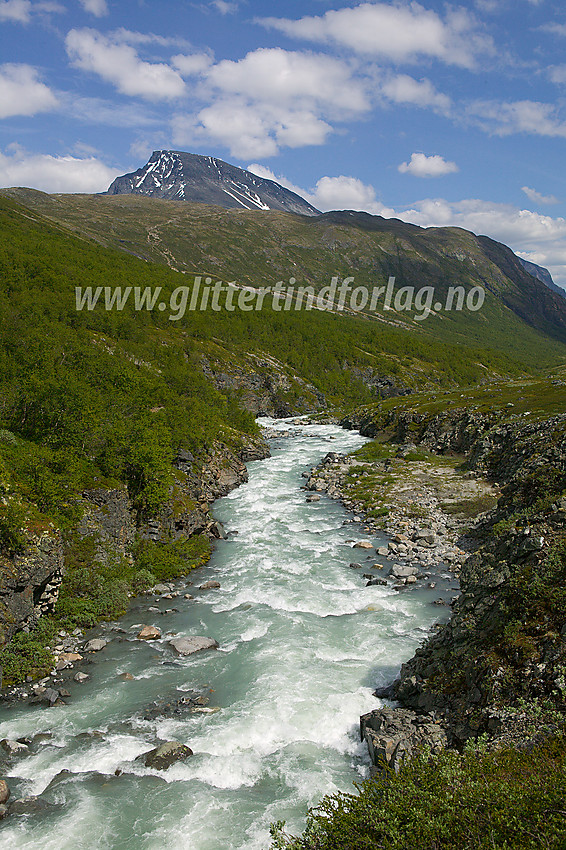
(477,800)
(98,589)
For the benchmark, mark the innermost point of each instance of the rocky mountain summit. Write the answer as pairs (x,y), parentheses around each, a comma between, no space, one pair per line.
(180,176)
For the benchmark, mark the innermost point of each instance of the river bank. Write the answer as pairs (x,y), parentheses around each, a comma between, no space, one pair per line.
(274,737)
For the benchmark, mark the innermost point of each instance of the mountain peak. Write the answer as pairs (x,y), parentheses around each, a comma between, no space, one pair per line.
(181,176)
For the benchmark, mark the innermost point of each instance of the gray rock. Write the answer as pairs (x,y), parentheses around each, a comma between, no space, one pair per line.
(4,792)
(162,757)
(190,645)
(96,644)
(14,748)
(81,677)
(209,585)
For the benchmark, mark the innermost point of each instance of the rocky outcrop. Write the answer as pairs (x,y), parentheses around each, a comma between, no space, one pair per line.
(107,516)
(394,734)
(264,386)
(30,581)
(504,648)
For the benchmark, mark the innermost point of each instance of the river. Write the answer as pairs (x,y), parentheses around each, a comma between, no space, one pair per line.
(303,643)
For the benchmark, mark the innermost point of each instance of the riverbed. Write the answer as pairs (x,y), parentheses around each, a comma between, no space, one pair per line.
(303,643)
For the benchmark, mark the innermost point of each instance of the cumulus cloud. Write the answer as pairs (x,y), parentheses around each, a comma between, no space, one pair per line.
(192,64)
(119,64)
(256,129)
(55,173)
(538,198)
(421,165)
(400,33)
(332,193)
(405,89)
(98,8)
(272,98)
(281,76)
(22,93)
(536,237)
(521,116)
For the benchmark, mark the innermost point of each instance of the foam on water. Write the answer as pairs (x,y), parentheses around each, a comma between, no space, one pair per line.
(302,646)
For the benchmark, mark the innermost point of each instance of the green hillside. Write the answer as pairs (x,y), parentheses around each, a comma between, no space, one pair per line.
(521,317)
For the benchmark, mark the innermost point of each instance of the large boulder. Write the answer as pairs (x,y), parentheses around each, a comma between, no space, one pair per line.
(190,645)
(149,633)
(162,757)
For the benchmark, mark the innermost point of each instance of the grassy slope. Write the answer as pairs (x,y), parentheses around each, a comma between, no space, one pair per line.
(259,248)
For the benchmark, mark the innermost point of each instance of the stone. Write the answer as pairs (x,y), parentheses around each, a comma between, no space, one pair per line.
(162,757)
(127,677)
(313,497)
(190,645)
(4,791)
(162,588)
(67,659)
(356,566)
(96,644)
(375,582)
(209,585)
(3,811)
(14,748)
(149,633)
(188,596)
(81,677)
(363,544)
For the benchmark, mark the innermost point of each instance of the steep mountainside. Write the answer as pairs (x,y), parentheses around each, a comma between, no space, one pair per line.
(542,274)
(180,176)
(520,317)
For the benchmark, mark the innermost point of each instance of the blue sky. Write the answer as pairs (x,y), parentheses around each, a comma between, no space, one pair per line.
(440,114)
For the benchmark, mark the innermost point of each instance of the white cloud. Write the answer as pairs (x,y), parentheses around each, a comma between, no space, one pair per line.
(538,198)
(125,36)
(55,173)
(272,98)
(98,8)
(396,32)
(15,10)
(421,165)
(280,76)
(192,64)
(557,74)
(22,93)
(120,65)
(521,116)
(224,7)
(536,237)
(555,29)
(332,193)
(249,130)
(405,89)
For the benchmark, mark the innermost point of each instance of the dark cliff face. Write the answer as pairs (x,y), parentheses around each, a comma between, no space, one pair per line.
(30,582)
(179,176)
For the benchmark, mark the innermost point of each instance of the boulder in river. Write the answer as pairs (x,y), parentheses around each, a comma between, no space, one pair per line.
(190,645)
(209,585)
(363,544)
(4,792)
(96,644)
(162,757)
(149,633)
(14,748)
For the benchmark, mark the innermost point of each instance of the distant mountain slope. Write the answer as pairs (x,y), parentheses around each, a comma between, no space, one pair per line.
(521,317)
(179,176)
(543,275)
